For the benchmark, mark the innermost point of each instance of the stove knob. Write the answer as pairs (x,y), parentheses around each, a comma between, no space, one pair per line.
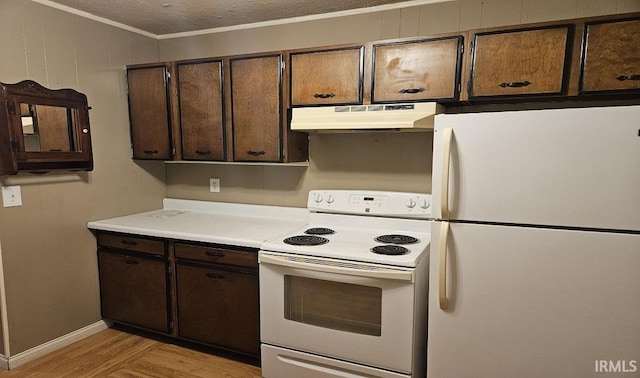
(425,204)
(411,203)
(317,197)
(330,199)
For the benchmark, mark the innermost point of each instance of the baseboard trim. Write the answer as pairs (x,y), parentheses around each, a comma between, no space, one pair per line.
(4,362)
(29,355)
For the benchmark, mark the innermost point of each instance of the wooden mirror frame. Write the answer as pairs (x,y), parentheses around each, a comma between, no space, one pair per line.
(15,157)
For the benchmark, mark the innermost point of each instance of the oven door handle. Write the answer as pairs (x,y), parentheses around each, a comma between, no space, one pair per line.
(334,266)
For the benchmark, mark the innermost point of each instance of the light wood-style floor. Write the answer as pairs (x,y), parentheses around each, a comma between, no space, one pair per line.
(114,353)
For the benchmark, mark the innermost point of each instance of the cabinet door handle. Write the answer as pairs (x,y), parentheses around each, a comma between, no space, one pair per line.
(214,276)
(128,242)
(324,95)
(151,152)
(516,84)
(256,153)
(129,260)
(411,90)
(214,254)
(200,152)
(628,77)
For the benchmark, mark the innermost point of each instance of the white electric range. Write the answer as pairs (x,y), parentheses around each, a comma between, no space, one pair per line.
(348,291)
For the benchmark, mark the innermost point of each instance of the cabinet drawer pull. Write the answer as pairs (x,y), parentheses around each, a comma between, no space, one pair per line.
(324,95)
(151,152)
(516,84)
(411,90)
(628,77)
(200,152)
(256,153)
(214,276)
(214,254)
(129,260)
(128,242)
(55,150)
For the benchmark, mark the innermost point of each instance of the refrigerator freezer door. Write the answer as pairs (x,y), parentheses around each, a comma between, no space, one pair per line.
(532,302)
(564,167)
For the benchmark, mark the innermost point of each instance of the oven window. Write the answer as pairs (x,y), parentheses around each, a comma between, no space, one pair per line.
(341,306)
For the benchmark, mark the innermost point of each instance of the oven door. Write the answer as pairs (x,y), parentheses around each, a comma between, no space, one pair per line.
(355,312)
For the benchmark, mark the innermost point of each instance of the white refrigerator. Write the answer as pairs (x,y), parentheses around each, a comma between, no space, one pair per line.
(535,253)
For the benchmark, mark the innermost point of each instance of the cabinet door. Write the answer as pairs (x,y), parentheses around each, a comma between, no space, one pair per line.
(201,110)
(521,62)
(218,307)
(256,93)
(149,113)
(134,290)
(611,56)
(415,71)
(327,77)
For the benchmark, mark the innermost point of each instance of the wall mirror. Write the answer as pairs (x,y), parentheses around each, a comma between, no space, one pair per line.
(44,129)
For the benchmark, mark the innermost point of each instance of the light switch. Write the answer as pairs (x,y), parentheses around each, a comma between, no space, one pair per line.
(11,196)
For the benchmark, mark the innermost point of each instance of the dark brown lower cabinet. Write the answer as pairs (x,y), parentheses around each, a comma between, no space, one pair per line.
(197,292)
(218,306)
(134,289)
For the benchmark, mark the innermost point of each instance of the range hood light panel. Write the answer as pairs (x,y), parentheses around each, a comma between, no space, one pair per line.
(394,117)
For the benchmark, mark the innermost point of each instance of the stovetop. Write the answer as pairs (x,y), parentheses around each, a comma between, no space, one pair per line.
(348,225)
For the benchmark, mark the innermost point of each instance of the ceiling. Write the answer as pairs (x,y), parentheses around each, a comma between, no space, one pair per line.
(160,17)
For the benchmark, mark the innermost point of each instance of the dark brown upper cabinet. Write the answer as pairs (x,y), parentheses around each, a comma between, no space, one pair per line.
(421,70)
(327,77)
(257,113)
(611,57)
(149,111)
(521,62)
(201,109)
(44,129)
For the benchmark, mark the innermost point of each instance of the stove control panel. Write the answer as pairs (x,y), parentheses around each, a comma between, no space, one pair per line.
(377,203)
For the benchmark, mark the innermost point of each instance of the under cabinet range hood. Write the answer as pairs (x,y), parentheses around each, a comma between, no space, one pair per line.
(392,117)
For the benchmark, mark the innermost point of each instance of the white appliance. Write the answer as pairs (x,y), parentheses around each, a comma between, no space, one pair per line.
(535,263)
(399,117)
(346,295)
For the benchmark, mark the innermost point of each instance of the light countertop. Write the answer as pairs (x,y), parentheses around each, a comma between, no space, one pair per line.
(212,222)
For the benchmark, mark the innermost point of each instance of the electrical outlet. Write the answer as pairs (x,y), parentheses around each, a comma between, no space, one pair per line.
(11,196)
(214,185)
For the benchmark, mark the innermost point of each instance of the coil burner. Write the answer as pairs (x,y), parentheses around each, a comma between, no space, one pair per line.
(306,240)
(389,249)
(396,239)
(319,231)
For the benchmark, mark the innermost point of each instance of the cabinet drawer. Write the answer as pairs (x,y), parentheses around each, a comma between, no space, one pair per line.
(611,57)
(132,243)
(217,255)
(521,62)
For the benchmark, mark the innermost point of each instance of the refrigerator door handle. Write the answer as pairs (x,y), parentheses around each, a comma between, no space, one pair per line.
(442,265)
(447,136)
